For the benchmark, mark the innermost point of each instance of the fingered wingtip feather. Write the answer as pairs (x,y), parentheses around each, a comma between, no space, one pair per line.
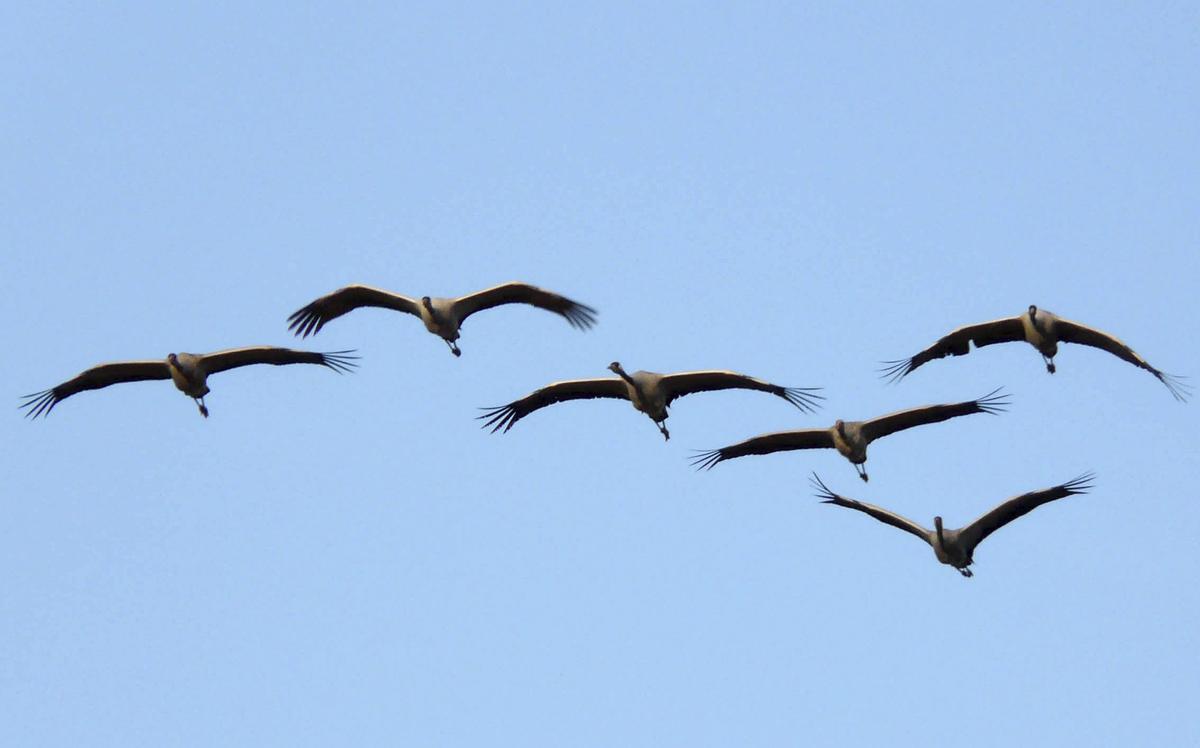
(804,398)
(39,404)
(894,371)
(1176,385)
(498,418)
(815,481)
(994,402)
(1081,483)
(706,459)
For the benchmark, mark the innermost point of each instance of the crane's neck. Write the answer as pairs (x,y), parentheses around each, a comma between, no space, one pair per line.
(623,375)
(937,524)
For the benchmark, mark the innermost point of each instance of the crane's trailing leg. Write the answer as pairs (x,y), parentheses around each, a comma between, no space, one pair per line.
(1049,364)
(663,428)
(200,404)
(453,347)
(966,572)
(862,472)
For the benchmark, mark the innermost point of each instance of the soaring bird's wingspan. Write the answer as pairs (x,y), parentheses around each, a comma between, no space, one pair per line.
(993,402)
(879,513)
(579,315)
(687,382)
(766,444)
(1018,506)
(339,361)
(503,417)
(958,343)
(1074,332)
(41,403)
(309,320)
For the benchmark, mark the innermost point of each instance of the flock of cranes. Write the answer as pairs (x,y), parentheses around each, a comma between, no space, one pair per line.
(652,393)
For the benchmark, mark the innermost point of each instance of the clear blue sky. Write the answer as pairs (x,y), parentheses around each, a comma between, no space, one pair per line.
(796,193)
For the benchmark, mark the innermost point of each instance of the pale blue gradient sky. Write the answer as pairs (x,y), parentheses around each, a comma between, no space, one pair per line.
(796,193)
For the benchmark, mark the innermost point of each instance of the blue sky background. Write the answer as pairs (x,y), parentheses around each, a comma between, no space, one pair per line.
(793,192)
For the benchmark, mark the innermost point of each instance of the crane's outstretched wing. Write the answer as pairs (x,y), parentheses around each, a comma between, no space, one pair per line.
(579,315)
(1074,332)
(879,513)
(339,361)
(41,403)
(309,319)
(993,402)
(958,343)
(685,383)
(575,389)
(1018,506)
(779,441)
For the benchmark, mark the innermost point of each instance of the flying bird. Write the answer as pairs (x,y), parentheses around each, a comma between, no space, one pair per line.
(189,372)
(851,437)
(957,547)
(442,317)
(651,393)
(1041,329)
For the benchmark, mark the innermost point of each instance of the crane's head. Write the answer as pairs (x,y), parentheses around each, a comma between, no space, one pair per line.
(615,367)
(173,359)
(1032,311)
(937,526)
(839,426)
(427,303)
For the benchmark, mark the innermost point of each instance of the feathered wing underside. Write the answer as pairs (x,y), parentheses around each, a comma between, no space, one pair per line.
(779,441)
(339,361)
(505,416)
(580,316)
(1018,506)
(958,343)
(879,513)
(309,319)
(97,377)
(993,402)
(688,382)
(1074,332)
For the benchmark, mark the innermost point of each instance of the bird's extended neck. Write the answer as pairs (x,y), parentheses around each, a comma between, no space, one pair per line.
(620,372)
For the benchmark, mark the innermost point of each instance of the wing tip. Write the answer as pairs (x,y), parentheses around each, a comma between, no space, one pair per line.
(705,459)
(995,402)
(894,371)
(803,398)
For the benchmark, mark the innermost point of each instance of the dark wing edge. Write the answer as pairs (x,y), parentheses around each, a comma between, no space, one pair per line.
(895,520)
(97,377)
(1019,506)
(779,441)
(580,316)
(803,398)
(341,362)
(956,343)
(993,403)
(504,417)
(309,319)
(1074,332)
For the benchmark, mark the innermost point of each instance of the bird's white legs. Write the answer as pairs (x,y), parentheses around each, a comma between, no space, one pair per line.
(200,404)
(453,347)
(862,472)
(966,572)
(1049,364)
(663,428)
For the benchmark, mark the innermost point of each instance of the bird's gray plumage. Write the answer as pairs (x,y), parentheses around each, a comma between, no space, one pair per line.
(851,438)
(188,371)
(957,547)
(442,316)
(1041,329)
(648,391)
